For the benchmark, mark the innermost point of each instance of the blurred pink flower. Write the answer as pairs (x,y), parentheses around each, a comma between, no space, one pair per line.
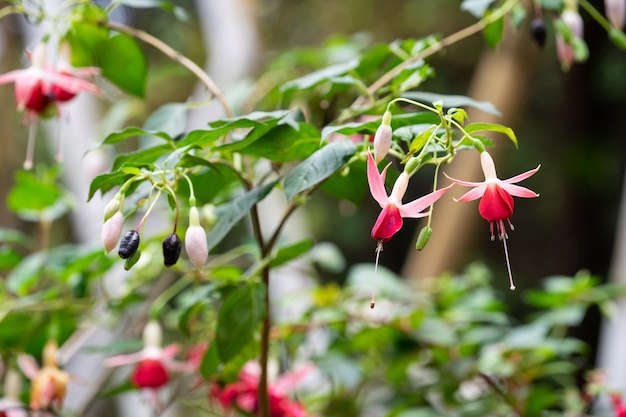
(615,11)
(564,49)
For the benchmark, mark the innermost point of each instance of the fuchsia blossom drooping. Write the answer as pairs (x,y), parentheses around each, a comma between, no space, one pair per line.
(496,201)
(389,221)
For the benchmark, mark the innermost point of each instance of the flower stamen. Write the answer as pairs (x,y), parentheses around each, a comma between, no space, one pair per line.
(379,249)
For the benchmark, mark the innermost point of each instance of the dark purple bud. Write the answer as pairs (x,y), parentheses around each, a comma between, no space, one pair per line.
(171,249)
(129,244)
(538,31)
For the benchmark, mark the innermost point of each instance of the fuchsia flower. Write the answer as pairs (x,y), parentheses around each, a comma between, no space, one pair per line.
(152,363)
(243,393)
(389,221)
(496,201)
(564,49)
(615,11)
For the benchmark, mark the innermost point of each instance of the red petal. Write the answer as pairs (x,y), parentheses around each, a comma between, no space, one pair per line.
(150,373)
(388,223)
(496,204)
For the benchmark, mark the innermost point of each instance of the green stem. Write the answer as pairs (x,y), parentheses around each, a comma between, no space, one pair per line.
(593,12)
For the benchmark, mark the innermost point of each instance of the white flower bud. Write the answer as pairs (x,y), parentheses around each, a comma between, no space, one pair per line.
(111,231)
(616,12)
(196,245)
(382,138)
(152,335)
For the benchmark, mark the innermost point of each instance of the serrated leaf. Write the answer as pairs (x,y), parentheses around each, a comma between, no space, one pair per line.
(318,167)
(123,63)
(230,213)
(291,252)
(450,101)
(239,317)
(492,127)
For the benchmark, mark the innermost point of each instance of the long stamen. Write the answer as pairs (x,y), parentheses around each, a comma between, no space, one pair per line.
(58,156)
(30,146)
(379,249)
(508,265)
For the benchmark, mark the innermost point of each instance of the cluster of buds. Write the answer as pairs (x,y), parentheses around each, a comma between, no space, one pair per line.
(242,394)
(128,249)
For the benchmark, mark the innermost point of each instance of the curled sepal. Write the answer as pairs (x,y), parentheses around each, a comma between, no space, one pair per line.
(171,249)
(132,260)
(423,237)
(129,244)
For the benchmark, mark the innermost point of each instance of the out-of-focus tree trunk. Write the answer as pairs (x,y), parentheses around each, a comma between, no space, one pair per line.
(500,78)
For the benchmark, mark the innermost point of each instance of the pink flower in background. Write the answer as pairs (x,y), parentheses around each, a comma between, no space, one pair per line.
(564,49)
(496,201)
(615,11)
(389,221)
(243,393)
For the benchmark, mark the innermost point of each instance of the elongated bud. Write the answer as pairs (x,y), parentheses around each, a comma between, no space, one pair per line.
(616,12)
(411,165)
(196,246)
(423,237)
(111,231)
(152,334)
(171,249)
(129,244)
(382,138)
(132,260)
(112,207)
(538,31)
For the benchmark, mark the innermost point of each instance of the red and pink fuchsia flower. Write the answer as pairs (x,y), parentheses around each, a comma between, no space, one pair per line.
(496,199)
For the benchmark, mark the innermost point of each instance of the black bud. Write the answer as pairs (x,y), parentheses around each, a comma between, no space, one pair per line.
(171,249)
(538,31)
(129,244)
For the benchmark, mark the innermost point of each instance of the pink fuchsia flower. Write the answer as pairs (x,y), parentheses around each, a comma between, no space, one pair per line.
(564,48)
(496,199)
(49,384)
(10,404)
(152,363)
(243,393)
(615,11)
(389,221)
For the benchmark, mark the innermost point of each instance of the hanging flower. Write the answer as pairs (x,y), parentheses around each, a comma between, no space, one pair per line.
(616,12)
(389,221)
(49,384)
(382,138)
(564,47)
(196,243)
(496,201)
(243,393)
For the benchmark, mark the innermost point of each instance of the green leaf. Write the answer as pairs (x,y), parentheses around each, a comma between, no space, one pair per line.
(178,11)
(316,78)
(318,167)
(26,274)
(131,132)
(238,319)
(210,362)
(142,157)
(492,127)
(230,213)
(85,38)
(105,182)
(284,143)
(493,32)
(123,62)
(31,194)
(348,184)
(170,119)
(291,252)
(450,101)
(369,127)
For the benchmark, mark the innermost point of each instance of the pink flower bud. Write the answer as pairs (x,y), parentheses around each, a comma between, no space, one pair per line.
(111,231)
(564,49)
(382,138)
(616,12)
(196,246)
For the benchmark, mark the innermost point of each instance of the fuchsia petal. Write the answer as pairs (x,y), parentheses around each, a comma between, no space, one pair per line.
(120,360)
(522,176)
(11,76)
(518,191)
(28,365)
(150,373)
(289,380)
(414,208)
(388,223)
(377,181)
(170,351)
(496,204)
(473,194)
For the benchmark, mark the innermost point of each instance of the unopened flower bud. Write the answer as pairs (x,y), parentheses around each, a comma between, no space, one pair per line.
(423,237)
(171,249)
(616,12)
(538,31)
(129,244)
(565,47)
(382,138)
(196,246)
(152,334)
(112,207)
(111,231)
